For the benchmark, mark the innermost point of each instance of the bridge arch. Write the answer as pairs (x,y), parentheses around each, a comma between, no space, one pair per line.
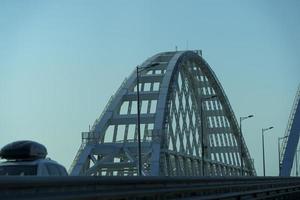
(291,139)
(185,132)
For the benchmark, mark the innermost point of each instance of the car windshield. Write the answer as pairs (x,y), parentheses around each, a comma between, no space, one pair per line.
(18,170)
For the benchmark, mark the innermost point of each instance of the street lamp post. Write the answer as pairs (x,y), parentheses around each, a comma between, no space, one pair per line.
(296,160)
(279,139)
(203,148)
(138,70)
(263,146)
(241,142)
(138,122)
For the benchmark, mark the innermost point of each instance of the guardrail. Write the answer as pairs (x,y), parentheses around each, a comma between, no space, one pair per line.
(82,188)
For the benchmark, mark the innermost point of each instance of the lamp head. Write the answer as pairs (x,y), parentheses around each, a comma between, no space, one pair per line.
(243,118)
(266,129)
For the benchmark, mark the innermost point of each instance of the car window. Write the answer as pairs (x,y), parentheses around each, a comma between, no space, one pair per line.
(18,170)
(53,170)
(63,171)
(42,170)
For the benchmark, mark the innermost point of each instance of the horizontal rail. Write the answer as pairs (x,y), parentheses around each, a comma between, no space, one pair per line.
(82,188)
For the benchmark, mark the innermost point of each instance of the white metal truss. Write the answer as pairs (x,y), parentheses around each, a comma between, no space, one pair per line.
(170,99)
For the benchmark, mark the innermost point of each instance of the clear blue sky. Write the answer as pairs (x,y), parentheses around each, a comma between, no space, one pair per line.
(60,61)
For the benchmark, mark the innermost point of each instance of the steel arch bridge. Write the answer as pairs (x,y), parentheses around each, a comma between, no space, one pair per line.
(291,139)
(185,131)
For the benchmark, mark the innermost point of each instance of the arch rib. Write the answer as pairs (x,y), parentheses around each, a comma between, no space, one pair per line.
(291,138)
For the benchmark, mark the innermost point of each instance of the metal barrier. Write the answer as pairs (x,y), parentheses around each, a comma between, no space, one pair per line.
(44,188)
